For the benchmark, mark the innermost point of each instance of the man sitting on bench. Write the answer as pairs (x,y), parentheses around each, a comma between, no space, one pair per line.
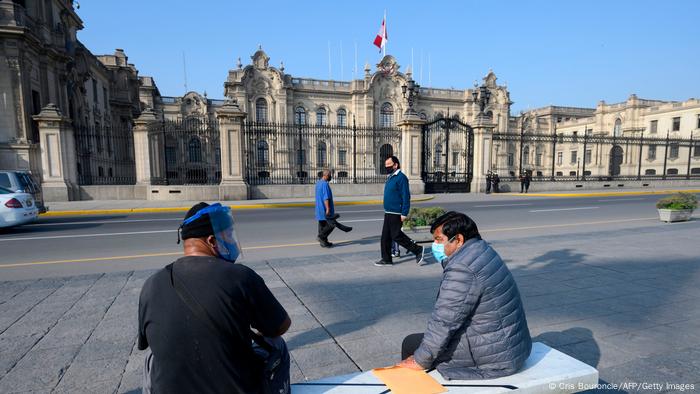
(477,329)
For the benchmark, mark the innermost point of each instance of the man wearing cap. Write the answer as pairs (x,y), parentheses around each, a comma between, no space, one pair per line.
(196,314)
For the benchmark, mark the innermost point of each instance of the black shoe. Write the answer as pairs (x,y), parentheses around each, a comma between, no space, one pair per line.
(324,243)
(396,254)
(333,216)
(382,263)
(343,227)
(419,255)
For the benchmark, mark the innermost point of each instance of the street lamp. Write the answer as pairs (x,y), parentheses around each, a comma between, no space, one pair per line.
(413,89)
(483,95)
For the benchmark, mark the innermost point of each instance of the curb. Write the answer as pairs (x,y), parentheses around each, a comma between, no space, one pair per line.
(233,207)
(603,194)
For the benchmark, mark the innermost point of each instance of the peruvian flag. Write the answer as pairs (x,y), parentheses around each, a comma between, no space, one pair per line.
(382,37)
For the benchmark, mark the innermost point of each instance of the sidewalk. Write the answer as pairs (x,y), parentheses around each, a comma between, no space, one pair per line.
(625,301)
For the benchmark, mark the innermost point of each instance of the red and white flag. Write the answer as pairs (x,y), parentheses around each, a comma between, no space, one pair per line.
(382,37)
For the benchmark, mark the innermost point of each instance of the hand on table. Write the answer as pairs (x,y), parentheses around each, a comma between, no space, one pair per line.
(410,363)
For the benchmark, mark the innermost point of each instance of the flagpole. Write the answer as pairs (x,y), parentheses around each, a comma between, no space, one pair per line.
(412,67)
(385,35)
(355,71)
(342,73)
(330,70)
(429,72)
(421,66)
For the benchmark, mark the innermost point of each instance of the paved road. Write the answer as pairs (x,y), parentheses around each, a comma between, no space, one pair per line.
(61,246)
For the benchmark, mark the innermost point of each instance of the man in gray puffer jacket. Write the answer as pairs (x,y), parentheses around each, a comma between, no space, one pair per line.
(478,328)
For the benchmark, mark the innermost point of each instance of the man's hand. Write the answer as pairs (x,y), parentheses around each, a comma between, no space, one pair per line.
(403,218)
(328,212)
(410,363)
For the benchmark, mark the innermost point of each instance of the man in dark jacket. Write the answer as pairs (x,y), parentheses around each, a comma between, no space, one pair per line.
(195,317)
(397,202)
(488,182)
(478,328)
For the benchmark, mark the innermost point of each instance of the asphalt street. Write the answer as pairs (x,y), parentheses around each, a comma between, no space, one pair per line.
(62,246)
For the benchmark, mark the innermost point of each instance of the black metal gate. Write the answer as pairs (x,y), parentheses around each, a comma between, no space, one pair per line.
(448,156)
(185,152)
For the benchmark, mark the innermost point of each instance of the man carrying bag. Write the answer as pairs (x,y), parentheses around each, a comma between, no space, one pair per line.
(196,314)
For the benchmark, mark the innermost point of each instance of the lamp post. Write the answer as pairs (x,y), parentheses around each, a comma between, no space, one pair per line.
(410,92)
(483,95)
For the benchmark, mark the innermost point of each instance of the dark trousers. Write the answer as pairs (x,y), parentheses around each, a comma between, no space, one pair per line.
(488,186)
(325,228)
(410,345)
(391,231)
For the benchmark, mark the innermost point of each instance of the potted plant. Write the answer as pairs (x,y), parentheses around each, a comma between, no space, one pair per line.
(677,208)
(417,224)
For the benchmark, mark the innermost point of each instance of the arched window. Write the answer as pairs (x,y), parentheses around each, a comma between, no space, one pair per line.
(423,115)
(342,118)
(261,110)
(263,153)
(321,117)
(438,155)
(300,115)
(526,155)
(194,150)
(386,115)
(171,151)
(617,131)
(321,154)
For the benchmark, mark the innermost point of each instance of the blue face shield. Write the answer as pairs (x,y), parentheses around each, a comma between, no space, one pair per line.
(227,245)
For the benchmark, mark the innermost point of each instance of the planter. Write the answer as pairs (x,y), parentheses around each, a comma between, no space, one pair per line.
(675,215)
(418,234)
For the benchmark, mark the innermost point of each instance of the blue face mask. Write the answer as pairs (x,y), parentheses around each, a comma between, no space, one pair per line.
(439,250)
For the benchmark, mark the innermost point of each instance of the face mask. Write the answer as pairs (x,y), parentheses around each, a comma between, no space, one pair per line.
(389,170)
(439,250)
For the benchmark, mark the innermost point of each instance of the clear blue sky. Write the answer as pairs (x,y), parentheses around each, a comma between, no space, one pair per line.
(548,52)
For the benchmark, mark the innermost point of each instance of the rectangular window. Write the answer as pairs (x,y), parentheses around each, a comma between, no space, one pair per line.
(676,123)
(560,158)
(698,125)
(574,156)
(654,126)
(575,136)
(94,91)
(538,159)
(589,156)
(510,159)
(301,156)
(104,96)
(651,153)
(696,151)
(673,151)
(342,157)
(455,159)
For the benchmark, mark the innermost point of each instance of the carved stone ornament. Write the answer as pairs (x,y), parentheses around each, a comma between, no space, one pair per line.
(388,66)
(260,60)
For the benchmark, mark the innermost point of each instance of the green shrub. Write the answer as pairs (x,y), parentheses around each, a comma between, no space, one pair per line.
(422,216)
(678,201)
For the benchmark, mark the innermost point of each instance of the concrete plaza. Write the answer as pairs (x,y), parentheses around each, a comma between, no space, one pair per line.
(624,300)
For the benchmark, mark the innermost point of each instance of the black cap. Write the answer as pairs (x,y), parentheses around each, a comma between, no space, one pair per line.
(199,228)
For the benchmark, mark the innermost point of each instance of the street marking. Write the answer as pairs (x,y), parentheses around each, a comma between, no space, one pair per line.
(622,199)
(86,235)
(102,222)
(368,210)
(139,256)
(362,220)
(500,205)
(96,259)
(562,209)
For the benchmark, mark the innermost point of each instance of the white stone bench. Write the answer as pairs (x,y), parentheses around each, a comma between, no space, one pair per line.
(546,371)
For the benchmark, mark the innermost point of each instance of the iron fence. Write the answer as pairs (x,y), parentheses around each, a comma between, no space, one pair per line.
(105,155)
(281,153)
(594,157)
(185,152)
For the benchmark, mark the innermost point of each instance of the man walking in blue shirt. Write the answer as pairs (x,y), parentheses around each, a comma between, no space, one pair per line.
(397,202)
(325,210)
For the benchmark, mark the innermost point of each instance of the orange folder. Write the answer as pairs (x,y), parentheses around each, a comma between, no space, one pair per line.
(408,381)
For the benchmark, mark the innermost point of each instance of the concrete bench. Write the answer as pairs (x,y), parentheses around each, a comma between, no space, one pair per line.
(546,371)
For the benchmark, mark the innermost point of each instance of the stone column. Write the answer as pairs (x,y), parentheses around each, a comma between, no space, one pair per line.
(233,186)
(483,128)
(142,156)
(411,149)
(58,156)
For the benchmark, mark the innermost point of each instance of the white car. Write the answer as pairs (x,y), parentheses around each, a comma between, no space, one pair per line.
(16,208)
